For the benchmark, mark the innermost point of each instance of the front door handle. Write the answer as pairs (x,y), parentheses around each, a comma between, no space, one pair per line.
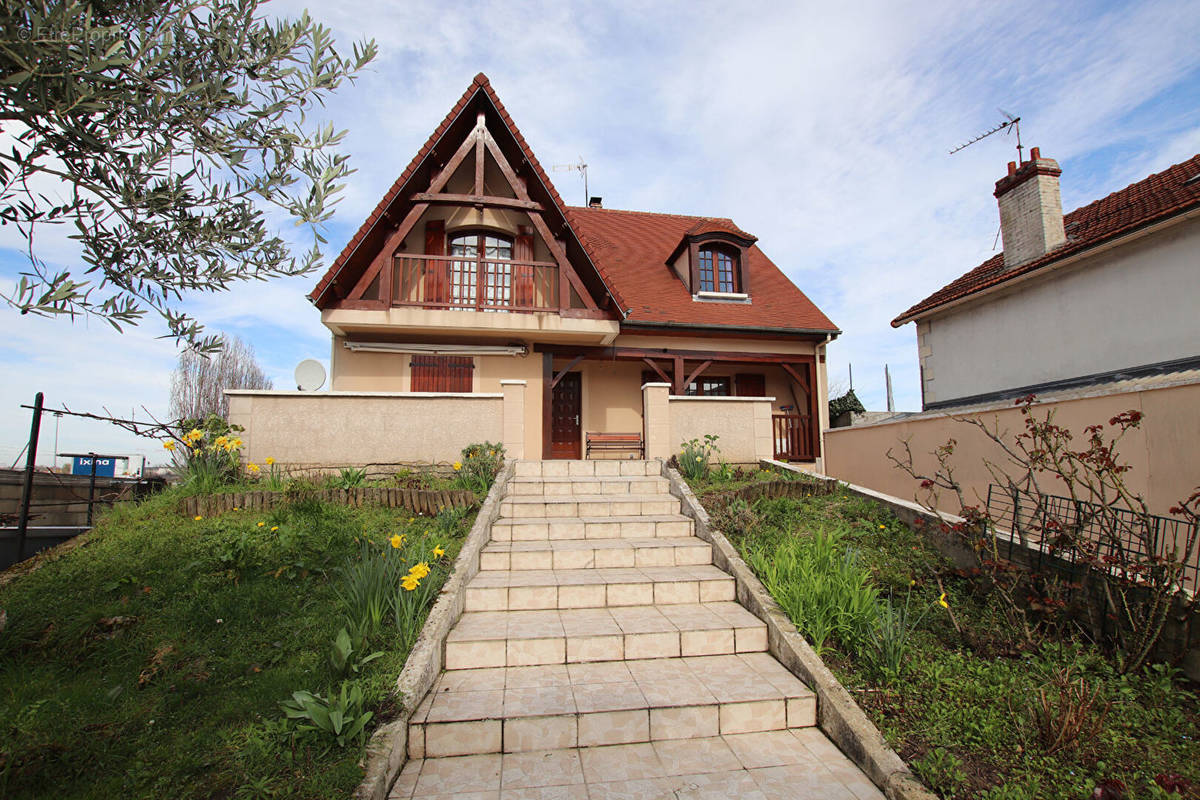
(577,420)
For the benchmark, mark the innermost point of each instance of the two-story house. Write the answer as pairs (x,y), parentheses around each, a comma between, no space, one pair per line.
(472,277)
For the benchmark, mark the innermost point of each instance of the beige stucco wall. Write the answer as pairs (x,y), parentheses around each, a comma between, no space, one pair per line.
(346,428)
(1164,452)
(1129,306)
(743,425)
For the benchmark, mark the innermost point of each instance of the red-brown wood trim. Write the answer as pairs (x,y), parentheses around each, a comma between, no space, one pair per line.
(547,402)
(488,201)
(801,379)
(479,157)
(388,249)
(638,353)
(539,224)
(570,366)
(814,420)
(693,267)
(743,270)
(658,369)
(696,374)
(460,155)
(678,385)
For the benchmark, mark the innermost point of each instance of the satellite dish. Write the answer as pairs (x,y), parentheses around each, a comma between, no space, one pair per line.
(310,375)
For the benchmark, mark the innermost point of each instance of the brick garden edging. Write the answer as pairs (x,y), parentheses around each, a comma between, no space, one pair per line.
(388,749)
(838,716)
(418,501)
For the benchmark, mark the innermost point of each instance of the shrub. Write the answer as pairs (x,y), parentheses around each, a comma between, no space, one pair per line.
(206,453)
(480,465)
(1067,712)
(695,456)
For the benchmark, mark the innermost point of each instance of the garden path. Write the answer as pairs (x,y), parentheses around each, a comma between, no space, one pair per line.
(602,655)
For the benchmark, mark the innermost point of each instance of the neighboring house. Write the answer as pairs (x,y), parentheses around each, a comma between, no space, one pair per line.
(473,279)
(1094,313)
(1106,293)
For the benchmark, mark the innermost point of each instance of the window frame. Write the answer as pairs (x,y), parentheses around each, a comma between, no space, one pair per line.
(718,266)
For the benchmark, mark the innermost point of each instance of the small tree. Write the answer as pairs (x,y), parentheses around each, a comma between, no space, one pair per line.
(1104,526)
(161,132)
(199,382)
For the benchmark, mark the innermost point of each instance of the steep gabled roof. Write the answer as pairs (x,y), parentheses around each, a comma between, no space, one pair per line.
(400,189)
(632,247)
(1162,195)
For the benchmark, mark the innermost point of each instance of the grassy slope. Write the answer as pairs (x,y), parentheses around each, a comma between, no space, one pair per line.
(239,616)
(959,713)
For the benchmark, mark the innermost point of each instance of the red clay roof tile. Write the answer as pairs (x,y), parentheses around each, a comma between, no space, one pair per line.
(1158,197)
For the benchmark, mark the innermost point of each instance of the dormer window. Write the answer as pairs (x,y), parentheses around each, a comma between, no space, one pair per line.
(718,270)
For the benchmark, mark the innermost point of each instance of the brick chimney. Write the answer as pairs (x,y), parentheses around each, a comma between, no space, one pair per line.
(1031,218)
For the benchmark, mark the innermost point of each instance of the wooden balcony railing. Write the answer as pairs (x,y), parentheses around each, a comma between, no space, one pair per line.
(793,436)
(474,283)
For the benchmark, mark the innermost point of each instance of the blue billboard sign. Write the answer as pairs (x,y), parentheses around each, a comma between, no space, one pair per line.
(105,466)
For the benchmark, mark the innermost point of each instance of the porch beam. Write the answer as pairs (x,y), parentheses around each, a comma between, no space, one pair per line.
(678,384)
(487,201)
(640,353)
(479,125)
(696,374)
(443,177)
(800,379)
(654,366)
(570,366)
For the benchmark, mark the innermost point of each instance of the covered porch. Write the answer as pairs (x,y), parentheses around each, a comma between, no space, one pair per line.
(599,390)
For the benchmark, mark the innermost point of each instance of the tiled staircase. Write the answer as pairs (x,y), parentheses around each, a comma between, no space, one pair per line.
(598,632)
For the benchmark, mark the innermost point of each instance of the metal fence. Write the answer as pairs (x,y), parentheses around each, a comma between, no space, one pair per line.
(1060,532)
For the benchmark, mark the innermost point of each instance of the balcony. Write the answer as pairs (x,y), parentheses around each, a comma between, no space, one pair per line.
(476,284)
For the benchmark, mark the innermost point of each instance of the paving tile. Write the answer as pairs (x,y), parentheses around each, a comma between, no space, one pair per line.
(644,789)
(533,677)
(768,749)
(541,701)
(717,786)
(476,773)
(689,756)
(621,762)
(800,782)
(541,768)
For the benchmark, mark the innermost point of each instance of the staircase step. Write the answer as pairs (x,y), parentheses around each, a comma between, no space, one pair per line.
(508,529)
(595,553)
(589,485)
(522,709)
(528,590)
(525,638)
(599,467)
(582,505)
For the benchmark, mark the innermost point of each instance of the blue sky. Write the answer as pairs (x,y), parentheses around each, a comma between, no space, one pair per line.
(821,128)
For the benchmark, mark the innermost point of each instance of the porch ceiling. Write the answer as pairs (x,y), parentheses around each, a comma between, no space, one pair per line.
(537,327)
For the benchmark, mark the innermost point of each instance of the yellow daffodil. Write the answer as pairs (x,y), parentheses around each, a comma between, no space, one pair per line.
(197,518)
(195,434)
(252,467)
(419,571)
(262,524)
(169,445)
(409,582)
(942,601)
(882,527)
(397,541)
(274,528)
(698,458)
(222,441)
(438,552)
(268,459)
(238,443)
(457,466)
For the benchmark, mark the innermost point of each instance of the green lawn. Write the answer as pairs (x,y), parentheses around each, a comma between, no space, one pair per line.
(961,705)
(151,662)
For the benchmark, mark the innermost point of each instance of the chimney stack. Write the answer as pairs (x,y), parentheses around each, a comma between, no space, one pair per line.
(1031,218)
(595,202)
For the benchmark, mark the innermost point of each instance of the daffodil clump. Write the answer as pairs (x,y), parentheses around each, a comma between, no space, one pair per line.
(395,580)
(206,453)
(273,479)
(478,467)
(695,456)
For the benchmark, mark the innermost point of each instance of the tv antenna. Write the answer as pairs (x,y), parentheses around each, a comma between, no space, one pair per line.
(581,168)
(1011,125)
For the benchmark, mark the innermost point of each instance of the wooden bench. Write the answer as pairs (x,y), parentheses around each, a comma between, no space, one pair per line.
(614,443)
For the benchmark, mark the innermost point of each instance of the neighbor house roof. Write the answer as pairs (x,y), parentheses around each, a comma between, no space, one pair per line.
(1158,197)
(633,248)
